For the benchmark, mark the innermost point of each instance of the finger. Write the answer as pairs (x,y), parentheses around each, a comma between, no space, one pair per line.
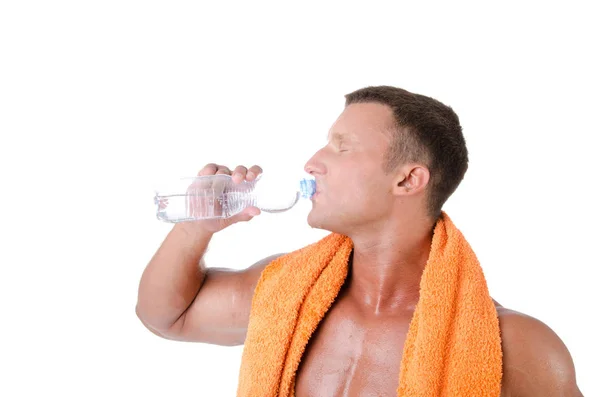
(253,172)
(246,215)
(223,170)
(239,174)
(209,169)
(252,211)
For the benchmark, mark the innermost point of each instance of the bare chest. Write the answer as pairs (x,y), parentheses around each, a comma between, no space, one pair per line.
(351,355)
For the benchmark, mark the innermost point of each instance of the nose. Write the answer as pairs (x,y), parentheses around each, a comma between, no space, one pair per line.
(315,165)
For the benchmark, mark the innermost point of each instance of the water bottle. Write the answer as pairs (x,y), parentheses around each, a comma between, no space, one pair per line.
(218,197)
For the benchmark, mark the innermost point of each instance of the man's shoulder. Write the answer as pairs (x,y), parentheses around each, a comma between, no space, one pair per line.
(535,360)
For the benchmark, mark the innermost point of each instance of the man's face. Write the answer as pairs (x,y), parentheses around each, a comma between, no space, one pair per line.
(353,190)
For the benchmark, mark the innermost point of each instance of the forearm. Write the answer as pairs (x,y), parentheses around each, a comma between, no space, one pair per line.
(173,277)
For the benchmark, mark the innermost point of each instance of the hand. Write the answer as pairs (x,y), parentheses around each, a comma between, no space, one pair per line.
(239,174)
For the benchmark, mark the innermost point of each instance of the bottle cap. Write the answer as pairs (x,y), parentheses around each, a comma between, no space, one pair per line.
(308,187)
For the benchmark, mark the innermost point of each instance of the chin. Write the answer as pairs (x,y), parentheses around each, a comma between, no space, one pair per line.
(313,220)
(319,221)
(316,220)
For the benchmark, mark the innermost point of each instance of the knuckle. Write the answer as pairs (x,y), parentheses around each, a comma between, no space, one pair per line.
(208,168)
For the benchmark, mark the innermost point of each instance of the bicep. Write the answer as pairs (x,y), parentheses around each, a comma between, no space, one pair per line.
(220,311)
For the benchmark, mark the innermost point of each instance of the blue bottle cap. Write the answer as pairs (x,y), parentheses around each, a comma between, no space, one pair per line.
(308,187)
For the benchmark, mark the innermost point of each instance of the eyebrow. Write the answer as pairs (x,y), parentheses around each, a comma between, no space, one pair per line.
(338,137)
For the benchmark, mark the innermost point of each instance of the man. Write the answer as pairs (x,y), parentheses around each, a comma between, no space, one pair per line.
(392,160)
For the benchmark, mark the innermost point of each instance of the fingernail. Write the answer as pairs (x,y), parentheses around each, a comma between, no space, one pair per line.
(250,174)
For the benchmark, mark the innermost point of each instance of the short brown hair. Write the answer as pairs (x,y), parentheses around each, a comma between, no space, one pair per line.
(428,133)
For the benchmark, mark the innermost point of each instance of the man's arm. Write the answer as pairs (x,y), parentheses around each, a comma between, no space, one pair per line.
(535,360)
(221,310)
(180,299)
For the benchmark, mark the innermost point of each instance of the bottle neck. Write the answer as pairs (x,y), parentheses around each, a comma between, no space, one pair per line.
(308,187)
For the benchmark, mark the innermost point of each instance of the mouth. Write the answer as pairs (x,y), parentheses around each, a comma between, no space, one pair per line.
(317,190)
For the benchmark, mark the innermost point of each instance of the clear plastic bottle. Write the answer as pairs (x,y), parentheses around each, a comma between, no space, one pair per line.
(217,196)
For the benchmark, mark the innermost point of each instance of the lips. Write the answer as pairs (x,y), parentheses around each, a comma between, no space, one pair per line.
(317,190)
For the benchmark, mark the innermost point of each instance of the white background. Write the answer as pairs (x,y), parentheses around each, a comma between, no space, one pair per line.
(100,100)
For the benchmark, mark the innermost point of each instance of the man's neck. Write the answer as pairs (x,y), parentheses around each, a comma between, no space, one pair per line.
(386,268)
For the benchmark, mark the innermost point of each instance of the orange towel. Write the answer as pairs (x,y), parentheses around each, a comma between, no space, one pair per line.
(453,346)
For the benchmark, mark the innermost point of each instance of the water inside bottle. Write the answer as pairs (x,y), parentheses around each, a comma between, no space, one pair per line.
(202,198)
(217,197)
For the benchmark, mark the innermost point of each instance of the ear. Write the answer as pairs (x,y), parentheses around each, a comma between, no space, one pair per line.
(412,179)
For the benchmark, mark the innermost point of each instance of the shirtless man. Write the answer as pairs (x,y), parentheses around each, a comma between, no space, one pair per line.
(382,187)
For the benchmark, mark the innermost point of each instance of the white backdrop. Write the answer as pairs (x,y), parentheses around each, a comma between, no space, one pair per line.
(100,100)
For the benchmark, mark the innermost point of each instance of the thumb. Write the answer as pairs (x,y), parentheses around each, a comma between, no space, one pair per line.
(246,215)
